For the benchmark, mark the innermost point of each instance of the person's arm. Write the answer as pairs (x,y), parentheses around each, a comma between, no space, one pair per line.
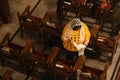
(86,42)
(63,36)
(87,35)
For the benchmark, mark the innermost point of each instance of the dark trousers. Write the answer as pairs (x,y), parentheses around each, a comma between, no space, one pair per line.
(71,55)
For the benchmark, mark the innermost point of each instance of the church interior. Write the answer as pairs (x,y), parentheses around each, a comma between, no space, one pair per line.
(31,46)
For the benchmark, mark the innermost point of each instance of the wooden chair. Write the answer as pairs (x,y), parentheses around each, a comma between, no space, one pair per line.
(29,23)
(108,45)
(96,74)
(40,60)
(67,68)
(13,51)
(7,75)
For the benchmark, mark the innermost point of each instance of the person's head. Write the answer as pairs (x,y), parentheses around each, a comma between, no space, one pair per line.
(75,24)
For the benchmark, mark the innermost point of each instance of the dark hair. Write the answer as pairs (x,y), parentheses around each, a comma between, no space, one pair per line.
(76,27)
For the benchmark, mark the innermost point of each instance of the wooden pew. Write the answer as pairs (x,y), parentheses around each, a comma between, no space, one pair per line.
(108,44)
(13,51)
(67,68)
(30,24)
(40,60)
(51,29)
(97,74)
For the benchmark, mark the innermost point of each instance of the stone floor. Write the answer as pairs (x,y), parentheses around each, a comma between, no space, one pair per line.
(43,6)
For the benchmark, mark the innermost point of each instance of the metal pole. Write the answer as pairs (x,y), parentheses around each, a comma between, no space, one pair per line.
(35,6)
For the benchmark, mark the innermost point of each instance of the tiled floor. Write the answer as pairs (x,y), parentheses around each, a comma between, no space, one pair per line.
(44,5)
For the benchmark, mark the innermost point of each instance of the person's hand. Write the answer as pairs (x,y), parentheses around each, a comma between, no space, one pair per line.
(81,46)
(81,49)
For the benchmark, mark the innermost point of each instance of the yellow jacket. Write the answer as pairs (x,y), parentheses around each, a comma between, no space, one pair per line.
(79,36)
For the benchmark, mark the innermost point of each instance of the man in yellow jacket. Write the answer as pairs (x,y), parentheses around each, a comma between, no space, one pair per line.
(75,36)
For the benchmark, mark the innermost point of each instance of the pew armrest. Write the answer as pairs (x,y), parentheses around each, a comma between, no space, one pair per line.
(53,54)
(104,74)
(26,11)
(79,63)
(28,46)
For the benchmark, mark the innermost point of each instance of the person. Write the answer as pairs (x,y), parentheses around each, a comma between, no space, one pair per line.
(75,35)
(99,6)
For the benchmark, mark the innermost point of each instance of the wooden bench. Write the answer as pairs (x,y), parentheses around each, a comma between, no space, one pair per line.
(30,24)
(96,74)
(52,30)
(40,60)
(108,44)
(13,51)
(67,68)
